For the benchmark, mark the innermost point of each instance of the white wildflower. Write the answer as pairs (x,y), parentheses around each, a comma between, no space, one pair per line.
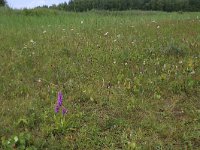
(180,62)
(33,42)
(25,46)
(39,80)
(193,72)
(164,66)
(16,138)
(106,34)
(118,36)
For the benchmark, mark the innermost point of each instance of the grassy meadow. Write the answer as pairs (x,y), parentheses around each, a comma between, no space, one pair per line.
(130,80)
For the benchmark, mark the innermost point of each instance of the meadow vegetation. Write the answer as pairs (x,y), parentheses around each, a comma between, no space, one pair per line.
(130,79)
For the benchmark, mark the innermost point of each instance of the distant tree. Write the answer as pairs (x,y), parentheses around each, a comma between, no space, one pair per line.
(53,6)
(194,5)
(161,5)
(3,2)
(62,6)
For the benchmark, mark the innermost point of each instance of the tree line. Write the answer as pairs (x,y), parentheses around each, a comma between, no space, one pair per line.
(2,3)
(161,5)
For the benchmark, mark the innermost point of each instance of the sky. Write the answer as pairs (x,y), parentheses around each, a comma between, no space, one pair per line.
(32,3)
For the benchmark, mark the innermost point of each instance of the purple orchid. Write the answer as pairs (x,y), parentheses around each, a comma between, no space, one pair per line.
(64,111)
(60,99)
(57,109)
(60,104)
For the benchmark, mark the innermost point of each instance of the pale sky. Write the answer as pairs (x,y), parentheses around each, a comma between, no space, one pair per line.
(32,3)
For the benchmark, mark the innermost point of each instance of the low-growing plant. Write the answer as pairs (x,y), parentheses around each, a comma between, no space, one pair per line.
(174,50)
(23,141)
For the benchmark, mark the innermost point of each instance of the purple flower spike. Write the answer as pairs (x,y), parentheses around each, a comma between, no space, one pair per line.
(57,107)
(64,111)
(60,104)
(60,99)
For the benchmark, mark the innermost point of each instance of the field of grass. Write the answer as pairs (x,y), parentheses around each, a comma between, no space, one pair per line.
(130,80)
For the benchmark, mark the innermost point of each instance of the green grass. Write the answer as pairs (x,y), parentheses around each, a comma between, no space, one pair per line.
(130,80)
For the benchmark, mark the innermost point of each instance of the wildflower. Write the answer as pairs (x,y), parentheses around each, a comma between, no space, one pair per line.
(60,99)
(82,22)
(16,138)
(158,27)
(33,42)
(44,31)
(193,72)
(165,66)
(60,104)
(39,80)
(57,108)
(25,46)
(64,111)
(106,34)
